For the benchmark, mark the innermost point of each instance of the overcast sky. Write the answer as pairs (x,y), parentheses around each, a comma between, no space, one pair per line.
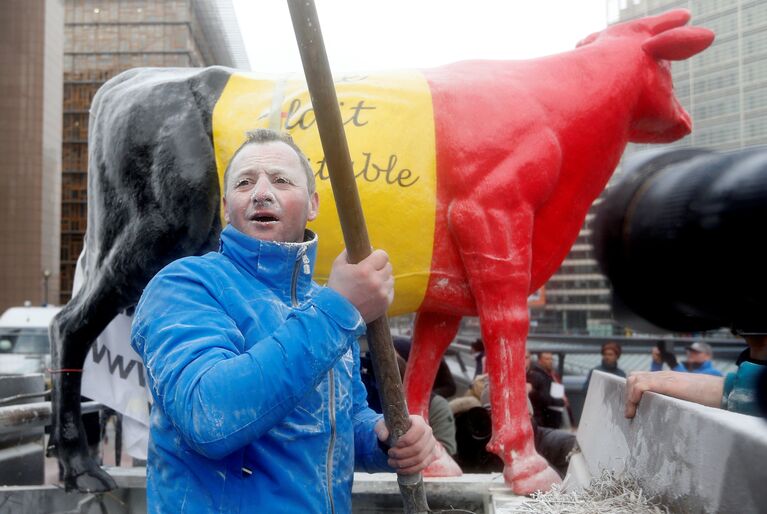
(386,34)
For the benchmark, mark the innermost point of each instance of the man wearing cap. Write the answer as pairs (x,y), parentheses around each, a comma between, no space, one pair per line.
(698,360)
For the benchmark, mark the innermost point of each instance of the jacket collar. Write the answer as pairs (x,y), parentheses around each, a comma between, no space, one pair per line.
(273,263)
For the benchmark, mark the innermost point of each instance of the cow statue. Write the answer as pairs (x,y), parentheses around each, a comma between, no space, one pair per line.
(518,151)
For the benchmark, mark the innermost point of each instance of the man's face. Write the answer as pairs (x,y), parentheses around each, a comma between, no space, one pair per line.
(697,357)
(267,195)
(609,356)
(546,361)
(527,361)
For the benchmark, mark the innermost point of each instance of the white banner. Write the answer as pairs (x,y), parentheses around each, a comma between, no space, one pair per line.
(114,375)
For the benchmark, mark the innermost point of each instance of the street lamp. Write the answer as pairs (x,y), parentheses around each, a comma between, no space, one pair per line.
(46,276)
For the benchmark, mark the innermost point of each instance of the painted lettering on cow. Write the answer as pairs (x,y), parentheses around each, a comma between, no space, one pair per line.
(370,171)
(300,116)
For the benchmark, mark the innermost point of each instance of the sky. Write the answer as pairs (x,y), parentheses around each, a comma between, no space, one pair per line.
(373,35)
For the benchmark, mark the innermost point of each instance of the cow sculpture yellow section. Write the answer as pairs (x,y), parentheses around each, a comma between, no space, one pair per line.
(393,154)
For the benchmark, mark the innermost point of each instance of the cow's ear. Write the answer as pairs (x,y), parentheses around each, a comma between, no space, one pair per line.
(678,44)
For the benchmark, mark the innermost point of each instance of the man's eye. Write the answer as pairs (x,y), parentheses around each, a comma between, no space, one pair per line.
(281,180)
(242,182)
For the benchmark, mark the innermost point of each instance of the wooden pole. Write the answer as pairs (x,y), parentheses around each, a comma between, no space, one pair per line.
(330,125)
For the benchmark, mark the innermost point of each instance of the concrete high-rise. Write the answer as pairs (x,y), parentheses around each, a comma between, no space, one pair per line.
(31,38)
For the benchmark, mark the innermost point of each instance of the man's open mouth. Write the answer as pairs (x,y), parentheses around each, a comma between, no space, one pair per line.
(265,219)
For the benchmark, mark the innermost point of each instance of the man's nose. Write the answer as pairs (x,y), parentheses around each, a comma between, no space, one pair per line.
(262,191)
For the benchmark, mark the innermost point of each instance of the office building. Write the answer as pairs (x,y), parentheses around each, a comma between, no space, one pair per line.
(31,36)
(105,37)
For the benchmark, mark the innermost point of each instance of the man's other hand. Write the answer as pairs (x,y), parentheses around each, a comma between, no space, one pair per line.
(415,450)
(636,384)
(693,387)
(368,285)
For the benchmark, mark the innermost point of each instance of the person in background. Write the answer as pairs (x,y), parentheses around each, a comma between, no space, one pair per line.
(611,352)
(547,408)
(444,383)
(441,418)
(473,431)
(699,356)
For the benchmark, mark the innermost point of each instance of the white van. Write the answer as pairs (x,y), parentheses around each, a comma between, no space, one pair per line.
(24,343)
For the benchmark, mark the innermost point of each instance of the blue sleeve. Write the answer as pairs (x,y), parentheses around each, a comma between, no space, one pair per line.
(368,455)
(729,383)
(656,366)
(217,397)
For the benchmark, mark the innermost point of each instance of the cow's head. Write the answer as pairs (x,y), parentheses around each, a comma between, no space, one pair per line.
(658,115)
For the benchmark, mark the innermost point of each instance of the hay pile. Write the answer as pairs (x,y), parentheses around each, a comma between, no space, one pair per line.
(606,493)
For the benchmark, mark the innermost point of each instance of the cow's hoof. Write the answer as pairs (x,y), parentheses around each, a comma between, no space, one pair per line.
(84,475)
(443,466)
(527,475)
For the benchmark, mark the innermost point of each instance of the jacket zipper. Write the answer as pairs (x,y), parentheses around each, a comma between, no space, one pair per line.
(303,261)
(332,412)
(294,278)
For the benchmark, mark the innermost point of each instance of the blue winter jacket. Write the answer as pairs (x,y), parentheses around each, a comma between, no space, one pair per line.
(254,370)
(707,368)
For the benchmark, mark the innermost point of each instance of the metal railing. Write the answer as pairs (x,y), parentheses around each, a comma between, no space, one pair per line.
(38,414)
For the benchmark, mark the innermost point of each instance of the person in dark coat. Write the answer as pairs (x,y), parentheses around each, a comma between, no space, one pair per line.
(541,376)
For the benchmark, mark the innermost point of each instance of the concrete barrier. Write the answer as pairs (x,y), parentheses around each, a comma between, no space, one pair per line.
(696,459)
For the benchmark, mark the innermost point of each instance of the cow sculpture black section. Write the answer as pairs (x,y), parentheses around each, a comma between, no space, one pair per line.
(680,238)
(153,196)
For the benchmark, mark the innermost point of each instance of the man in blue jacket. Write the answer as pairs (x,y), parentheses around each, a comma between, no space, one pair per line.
(699,356)
(254,368)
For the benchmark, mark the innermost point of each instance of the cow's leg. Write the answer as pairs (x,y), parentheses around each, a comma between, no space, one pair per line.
(495,247)
(432,334)
(72,332)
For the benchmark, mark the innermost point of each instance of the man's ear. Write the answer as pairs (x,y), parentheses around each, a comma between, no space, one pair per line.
(314,206)
(226,211)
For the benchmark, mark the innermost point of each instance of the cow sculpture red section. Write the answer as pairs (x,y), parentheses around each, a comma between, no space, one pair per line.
(509,211)
(523,149)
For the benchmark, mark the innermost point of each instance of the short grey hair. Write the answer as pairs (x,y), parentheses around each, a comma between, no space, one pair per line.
(262,136)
